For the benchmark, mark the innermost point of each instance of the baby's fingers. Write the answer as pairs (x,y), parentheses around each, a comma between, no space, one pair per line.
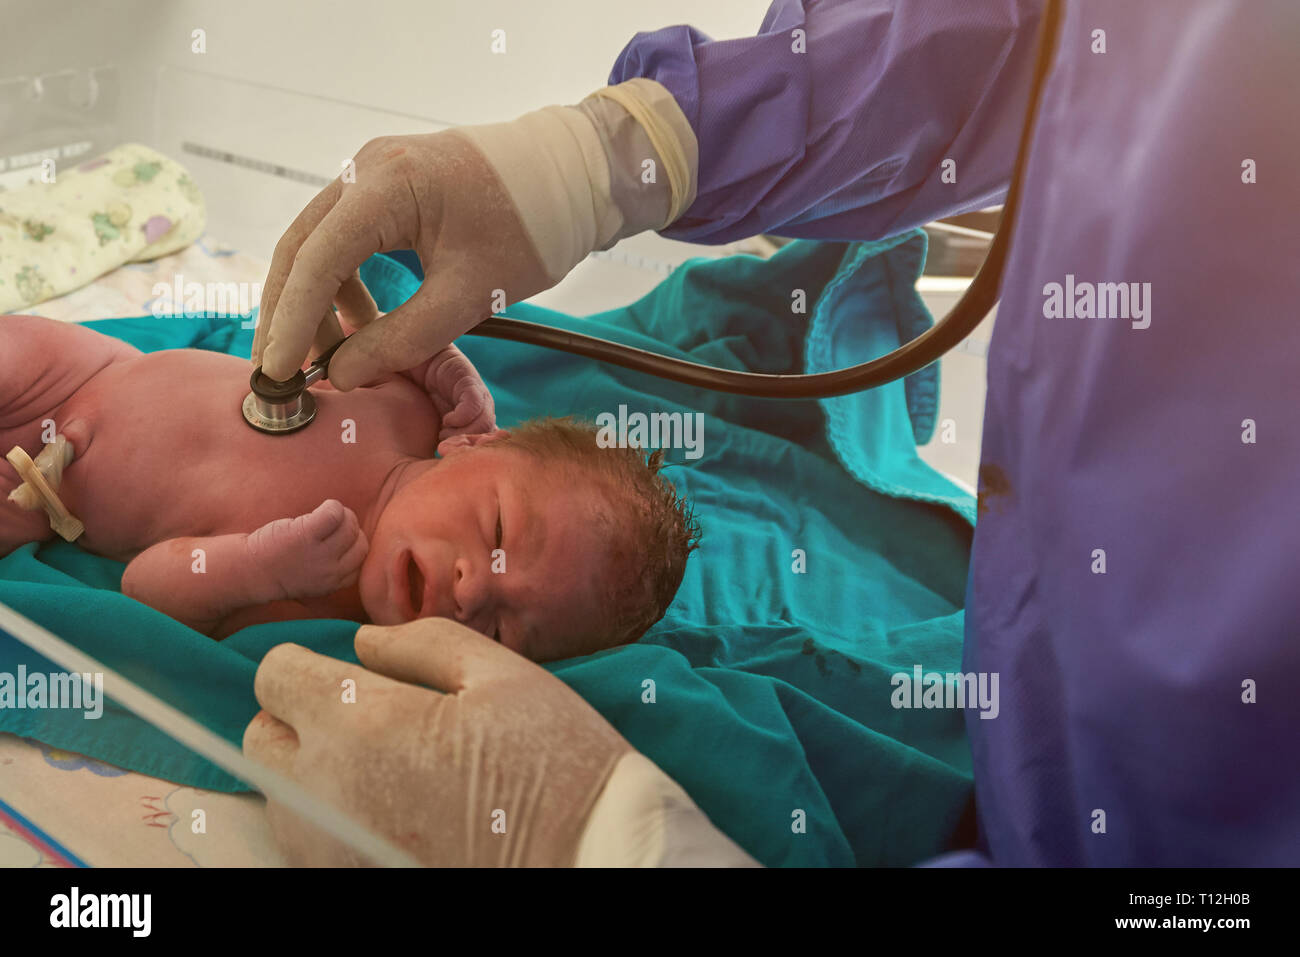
(328,517)
(352,561)
(470,406)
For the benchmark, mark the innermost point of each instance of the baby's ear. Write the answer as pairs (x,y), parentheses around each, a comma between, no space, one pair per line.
(458,443)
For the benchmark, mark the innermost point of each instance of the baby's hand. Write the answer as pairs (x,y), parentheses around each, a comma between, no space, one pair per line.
(312,555)
(459,394)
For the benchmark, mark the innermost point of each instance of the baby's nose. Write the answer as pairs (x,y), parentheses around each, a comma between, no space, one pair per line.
(469,589)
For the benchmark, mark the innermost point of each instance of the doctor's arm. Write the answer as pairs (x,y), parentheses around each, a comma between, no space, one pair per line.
(840,119)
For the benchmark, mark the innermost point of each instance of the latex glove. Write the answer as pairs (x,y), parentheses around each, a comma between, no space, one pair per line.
(496,213)
(502,765)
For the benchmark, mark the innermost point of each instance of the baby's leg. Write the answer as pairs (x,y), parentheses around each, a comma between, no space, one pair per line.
(42,365)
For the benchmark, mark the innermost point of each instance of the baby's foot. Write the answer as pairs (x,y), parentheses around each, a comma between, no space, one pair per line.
(311,555)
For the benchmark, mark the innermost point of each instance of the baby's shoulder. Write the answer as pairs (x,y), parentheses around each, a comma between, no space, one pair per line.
(397,409)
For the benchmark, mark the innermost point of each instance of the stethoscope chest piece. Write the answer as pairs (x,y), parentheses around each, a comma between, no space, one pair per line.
(278,407)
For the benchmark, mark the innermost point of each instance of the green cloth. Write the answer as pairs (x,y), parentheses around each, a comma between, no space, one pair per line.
(771,686)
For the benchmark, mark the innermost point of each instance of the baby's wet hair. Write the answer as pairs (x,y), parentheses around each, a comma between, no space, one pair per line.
(649,527)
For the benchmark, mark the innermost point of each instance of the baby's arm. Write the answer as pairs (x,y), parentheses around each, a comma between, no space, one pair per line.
(459,394)
(305,557)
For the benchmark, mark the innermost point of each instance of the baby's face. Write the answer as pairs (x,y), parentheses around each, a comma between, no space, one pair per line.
(489,537)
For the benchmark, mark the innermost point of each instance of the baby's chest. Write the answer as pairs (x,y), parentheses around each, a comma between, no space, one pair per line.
(352,429)
(212,474)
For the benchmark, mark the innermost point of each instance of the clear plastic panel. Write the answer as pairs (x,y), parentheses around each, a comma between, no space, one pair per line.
(65,116)
(259,152)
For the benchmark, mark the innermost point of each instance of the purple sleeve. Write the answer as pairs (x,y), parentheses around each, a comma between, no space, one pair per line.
(845,140)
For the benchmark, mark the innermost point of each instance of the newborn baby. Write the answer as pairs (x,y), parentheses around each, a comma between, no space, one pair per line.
(536,537)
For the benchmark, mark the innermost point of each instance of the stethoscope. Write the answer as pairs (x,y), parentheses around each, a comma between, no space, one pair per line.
(286,406)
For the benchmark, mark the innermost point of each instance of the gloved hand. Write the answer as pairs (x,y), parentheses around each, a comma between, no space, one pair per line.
(501,765)
(496,213)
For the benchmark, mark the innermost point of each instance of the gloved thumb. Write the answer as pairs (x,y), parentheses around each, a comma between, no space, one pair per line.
(437,652)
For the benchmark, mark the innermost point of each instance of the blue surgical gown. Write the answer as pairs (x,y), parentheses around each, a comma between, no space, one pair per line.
(1135,580)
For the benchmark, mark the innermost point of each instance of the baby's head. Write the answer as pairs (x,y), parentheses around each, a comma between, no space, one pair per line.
(536,536)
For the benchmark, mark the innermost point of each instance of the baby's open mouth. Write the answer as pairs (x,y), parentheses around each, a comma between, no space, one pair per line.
(415,581)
